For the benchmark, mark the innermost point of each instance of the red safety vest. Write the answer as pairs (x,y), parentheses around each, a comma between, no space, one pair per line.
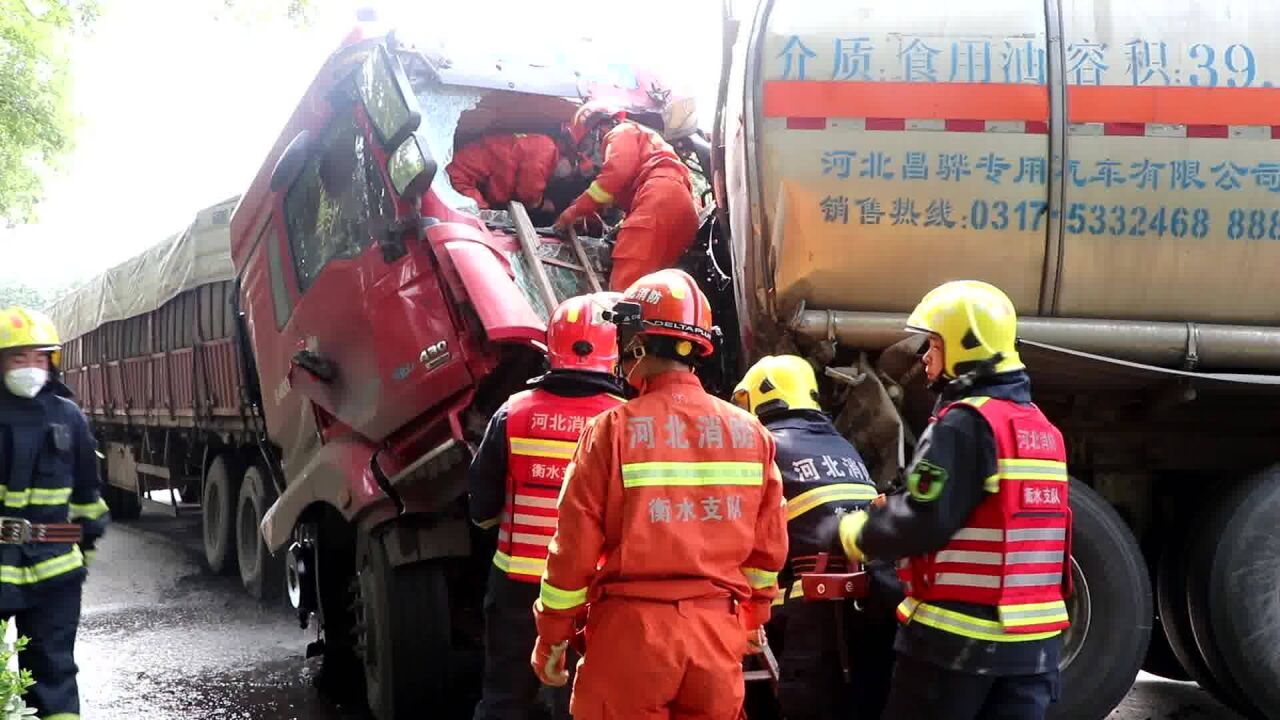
(542,432)
(1014,552)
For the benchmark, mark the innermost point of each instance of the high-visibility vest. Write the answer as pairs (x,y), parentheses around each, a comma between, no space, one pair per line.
(542,432)
(1014,551)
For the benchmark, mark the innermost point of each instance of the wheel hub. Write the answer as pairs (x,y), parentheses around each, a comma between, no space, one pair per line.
(1079,608)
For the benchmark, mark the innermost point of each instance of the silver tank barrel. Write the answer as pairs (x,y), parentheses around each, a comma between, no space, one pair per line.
(1164,344)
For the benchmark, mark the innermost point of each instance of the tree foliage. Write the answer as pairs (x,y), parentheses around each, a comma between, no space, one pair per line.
(35,119)
(12,293)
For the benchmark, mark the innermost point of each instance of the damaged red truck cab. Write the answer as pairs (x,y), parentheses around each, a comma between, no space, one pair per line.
(385,321)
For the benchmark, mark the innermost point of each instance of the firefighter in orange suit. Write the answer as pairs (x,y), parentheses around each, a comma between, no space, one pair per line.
(672,530)
(643,176)
(515,479)
(497,169)
(982,534)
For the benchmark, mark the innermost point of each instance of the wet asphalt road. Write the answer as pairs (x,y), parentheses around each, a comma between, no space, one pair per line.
(163,640)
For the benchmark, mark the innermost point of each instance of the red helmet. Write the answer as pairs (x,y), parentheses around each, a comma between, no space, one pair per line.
(590,115)
(669,303)
(578,337)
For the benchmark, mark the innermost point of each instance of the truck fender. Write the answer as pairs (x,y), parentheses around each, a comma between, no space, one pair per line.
(411,542)
(338,475)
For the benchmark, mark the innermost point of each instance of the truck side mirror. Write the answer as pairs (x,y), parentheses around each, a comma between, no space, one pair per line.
(388,98)
(411,167)
(291,161)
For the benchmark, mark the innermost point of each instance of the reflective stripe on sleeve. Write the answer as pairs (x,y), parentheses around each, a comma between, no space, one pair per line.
(685,474)
(760,579)
(599,194)
(88,511)
(533,567)
(838,492)
(557,599)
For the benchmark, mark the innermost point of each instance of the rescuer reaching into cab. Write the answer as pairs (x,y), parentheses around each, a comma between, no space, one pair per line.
(835,658)
(499,168)
(672,530)
(515,480)
(643,176)
(52,512)
(982,532)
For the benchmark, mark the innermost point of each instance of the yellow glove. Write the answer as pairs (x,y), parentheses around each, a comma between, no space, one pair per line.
(850,529)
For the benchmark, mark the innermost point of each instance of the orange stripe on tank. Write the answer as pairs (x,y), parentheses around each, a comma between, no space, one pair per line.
(1174,105)
(1003,101)
(970,101)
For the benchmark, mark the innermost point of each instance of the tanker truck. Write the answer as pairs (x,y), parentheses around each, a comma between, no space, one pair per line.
(1115,168)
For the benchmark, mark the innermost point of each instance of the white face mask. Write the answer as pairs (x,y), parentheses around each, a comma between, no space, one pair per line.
(26,382)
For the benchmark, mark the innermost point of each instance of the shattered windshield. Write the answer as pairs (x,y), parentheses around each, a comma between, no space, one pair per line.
(442,107)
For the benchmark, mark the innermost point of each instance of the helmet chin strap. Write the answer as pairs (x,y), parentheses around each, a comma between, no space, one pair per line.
(634,348)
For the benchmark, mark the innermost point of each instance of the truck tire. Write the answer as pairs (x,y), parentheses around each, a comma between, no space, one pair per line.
(1161,660)
(261,572)
(405,637)
(1171,597)
(218,513)
(1241,610)
(123,504)
(1204,547)
(1111,611)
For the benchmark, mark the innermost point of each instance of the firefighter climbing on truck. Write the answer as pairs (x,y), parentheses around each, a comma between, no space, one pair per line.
(671,530)
(53,512)
(515,479)
(982,532)
(501,167)
(639,173)
(834,659)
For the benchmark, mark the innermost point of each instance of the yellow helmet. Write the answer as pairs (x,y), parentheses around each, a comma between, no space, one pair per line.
(975,321)
(29,329)
(776,383)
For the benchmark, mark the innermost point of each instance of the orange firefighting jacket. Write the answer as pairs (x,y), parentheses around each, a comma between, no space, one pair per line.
(497,169)
(672,496)
(633,155)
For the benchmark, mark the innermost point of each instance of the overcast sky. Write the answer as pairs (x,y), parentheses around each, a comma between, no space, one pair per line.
(178,109)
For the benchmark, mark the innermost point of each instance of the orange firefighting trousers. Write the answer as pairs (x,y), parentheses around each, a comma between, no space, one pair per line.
(660,227)
(647,660)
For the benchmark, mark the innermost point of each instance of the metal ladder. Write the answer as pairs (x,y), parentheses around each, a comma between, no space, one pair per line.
(530,243)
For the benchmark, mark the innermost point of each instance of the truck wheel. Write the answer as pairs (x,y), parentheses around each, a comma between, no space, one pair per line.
(1110,611)
(1161,659)
(404,640)
(123,504)
(218,513)
(1171,596)
(261,572)
(1239,611)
